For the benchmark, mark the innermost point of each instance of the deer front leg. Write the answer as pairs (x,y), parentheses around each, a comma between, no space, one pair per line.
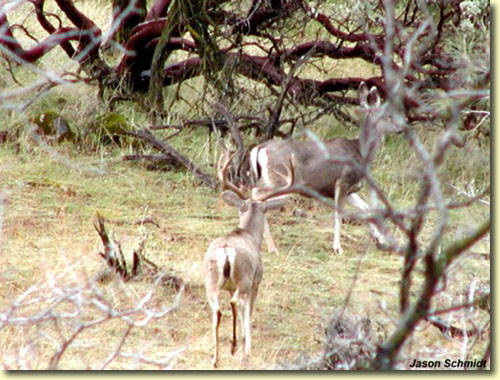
(337,221)
(247,315)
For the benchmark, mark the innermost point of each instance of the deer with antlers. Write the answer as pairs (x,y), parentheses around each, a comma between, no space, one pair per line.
(233,261)
(331,169)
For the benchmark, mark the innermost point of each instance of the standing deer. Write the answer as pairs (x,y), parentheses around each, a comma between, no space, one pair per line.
(333,168)
(233,262)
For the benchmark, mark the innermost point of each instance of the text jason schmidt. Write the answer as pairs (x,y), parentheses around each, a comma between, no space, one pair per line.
(448,363)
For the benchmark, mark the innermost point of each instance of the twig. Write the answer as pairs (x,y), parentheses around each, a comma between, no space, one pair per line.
(447,329)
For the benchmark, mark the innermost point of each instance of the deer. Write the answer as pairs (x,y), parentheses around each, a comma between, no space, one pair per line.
(233,262)
(332,169)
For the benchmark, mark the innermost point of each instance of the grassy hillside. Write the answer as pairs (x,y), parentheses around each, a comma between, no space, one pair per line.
(49,210)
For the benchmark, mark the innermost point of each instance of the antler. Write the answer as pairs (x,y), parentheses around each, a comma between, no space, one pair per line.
(222,174)
(290,187)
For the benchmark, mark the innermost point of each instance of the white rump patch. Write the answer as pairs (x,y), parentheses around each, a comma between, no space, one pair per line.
(259,158)
(263,159)
(222,253)
(253,163)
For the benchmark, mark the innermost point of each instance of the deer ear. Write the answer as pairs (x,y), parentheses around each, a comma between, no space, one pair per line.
(374,97)
(232,199)
(363,94)
(273,204)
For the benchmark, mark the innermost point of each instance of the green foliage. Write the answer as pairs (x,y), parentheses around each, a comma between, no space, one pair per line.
(112,123)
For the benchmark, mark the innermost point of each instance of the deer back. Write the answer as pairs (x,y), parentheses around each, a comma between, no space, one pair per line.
(319,166)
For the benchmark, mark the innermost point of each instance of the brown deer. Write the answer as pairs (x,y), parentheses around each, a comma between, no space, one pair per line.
(331,169)
(233,262)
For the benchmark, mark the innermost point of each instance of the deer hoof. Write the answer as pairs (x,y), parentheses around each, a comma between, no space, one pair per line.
(244,362)
(338,250)
(215,362)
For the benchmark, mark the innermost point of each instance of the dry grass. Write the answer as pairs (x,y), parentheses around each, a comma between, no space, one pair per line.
(47,228)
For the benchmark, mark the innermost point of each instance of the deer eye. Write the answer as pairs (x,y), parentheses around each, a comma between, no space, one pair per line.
(244,207)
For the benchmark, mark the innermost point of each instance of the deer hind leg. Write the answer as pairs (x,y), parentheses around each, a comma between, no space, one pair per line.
(234,307)
(356,201)
(216,317)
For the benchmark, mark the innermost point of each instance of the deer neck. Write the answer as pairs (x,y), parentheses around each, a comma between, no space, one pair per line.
(253,224)
(369,142)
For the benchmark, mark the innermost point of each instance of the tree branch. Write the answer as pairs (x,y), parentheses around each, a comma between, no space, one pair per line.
(166,149)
